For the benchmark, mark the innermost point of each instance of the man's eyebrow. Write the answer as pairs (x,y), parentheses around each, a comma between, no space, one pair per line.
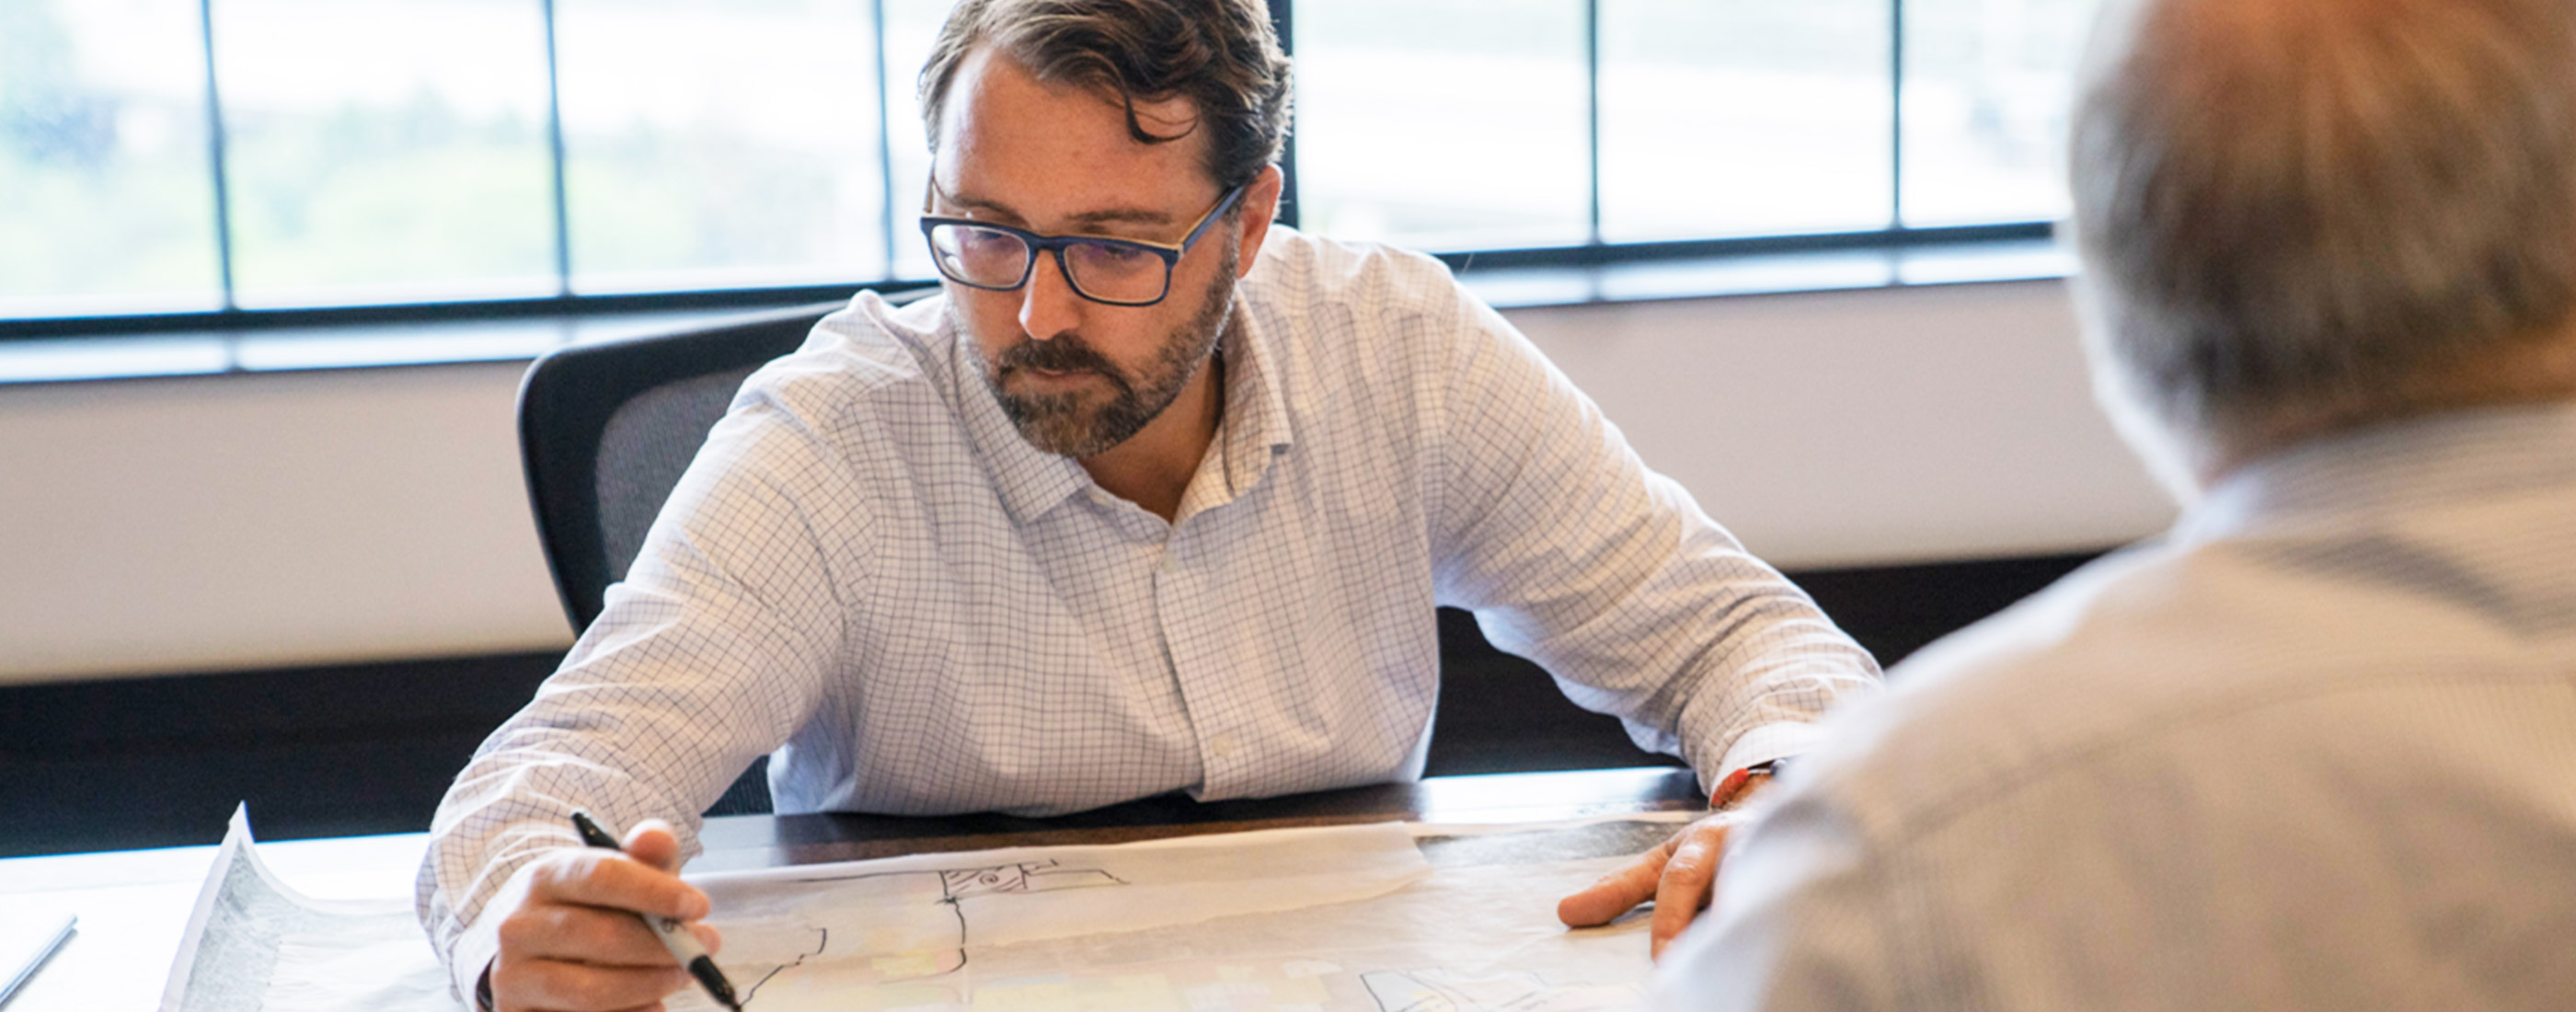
(1004,213)
(1122,215)
(1077,222)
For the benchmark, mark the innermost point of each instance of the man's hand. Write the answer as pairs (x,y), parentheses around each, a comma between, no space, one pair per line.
(572,942)
(1680,876)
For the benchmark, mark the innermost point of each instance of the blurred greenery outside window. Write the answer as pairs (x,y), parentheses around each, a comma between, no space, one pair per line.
(405,151)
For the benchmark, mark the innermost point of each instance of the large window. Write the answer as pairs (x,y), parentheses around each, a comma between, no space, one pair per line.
(208,156)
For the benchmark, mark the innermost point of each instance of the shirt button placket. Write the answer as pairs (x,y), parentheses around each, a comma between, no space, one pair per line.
(1179,604)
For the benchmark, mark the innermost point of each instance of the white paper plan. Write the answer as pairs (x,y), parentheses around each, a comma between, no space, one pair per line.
(1382,918)
(255,945)
(1362,918)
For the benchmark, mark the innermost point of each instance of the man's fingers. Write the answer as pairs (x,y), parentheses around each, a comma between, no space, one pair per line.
(592,935)
(1687,881)
(1617,892)
(578,987)
(574,943)
(652,842)
(600,878)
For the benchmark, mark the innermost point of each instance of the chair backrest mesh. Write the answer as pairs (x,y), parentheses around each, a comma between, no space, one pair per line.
(607,429)
(646,445)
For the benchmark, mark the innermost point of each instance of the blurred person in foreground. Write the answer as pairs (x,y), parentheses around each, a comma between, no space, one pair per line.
(2315,748)
(1154,497)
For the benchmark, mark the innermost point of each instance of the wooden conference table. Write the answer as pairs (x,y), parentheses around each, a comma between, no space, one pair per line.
(133,905)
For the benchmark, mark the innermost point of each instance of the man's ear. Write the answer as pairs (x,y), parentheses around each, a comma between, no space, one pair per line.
(1259,205)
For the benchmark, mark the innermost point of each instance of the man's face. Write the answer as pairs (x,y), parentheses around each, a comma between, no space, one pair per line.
(1080,377)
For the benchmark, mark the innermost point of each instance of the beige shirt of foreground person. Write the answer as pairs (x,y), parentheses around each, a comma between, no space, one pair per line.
(2316,749)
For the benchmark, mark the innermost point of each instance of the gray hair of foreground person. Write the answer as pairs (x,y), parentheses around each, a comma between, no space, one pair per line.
(1222,55)
(2298,216)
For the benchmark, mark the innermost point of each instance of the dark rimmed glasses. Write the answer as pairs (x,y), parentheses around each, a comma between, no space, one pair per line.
(1118,272)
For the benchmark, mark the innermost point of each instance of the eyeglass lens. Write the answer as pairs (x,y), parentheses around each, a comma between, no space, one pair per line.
(997,259)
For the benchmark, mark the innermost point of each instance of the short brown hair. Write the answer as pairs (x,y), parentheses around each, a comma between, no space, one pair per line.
(1222,55)
(2299,209)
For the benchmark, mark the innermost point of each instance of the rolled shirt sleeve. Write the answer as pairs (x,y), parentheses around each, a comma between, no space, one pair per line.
(709,655)
(1574,554)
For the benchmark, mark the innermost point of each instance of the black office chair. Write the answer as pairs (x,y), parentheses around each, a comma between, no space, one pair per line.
(605,431)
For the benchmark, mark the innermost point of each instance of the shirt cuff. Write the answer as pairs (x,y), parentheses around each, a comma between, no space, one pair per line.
(1761,745)
(474,951)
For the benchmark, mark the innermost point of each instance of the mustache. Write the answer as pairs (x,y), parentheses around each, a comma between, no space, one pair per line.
(1062,353)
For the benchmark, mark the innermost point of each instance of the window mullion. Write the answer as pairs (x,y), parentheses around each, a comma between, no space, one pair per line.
(1896,114)
(1592,118)
(1283,23)
(555,148)
(885,136)
(215,157)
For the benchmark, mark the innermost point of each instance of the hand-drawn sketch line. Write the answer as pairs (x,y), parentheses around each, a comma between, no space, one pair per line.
(1023,877)
(952,885)
(1436,990)
(820,944)
(1029,877)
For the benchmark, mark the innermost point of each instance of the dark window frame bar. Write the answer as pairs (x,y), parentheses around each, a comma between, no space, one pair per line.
(1896,114)
(1596,255)
(885,132)
(1592,121)
(1283,23)
(484,310)
(555,154)
(1592,253)
(1616,254)
(215,155)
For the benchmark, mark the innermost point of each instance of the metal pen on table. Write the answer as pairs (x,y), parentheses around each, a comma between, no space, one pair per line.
(20,961)
(675,935)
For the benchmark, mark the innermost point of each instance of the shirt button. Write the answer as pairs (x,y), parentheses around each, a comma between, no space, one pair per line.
(1222,746)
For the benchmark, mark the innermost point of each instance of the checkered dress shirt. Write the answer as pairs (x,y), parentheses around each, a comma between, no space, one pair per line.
(868,573)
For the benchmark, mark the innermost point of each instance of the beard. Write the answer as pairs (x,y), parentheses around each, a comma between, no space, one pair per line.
(1084,423)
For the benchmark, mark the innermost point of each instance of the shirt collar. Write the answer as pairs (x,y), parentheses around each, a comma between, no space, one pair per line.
(1256,416)
(1032,481)
(2401,465)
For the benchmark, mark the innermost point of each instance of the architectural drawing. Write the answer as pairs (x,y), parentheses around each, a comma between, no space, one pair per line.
(907,924)
(1348,919)
(1442,991)
(1351,919)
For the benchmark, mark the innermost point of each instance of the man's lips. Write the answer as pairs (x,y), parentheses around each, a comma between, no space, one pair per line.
(1057,375)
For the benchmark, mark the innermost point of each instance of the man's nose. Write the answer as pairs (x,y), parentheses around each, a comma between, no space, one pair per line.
(1048,305)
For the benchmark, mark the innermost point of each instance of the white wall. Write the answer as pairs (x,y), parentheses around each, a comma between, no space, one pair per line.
(218,522)
(272,520)
(1882,426)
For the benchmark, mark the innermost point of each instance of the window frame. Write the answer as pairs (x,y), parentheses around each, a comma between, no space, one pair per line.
(1593,253)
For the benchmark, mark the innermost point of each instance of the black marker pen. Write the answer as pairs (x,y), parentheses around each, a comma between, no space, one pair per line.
(675,936)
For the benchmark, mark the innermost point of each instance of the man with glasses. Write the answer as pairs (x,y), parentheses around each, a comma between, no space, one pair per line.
(1155,498)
